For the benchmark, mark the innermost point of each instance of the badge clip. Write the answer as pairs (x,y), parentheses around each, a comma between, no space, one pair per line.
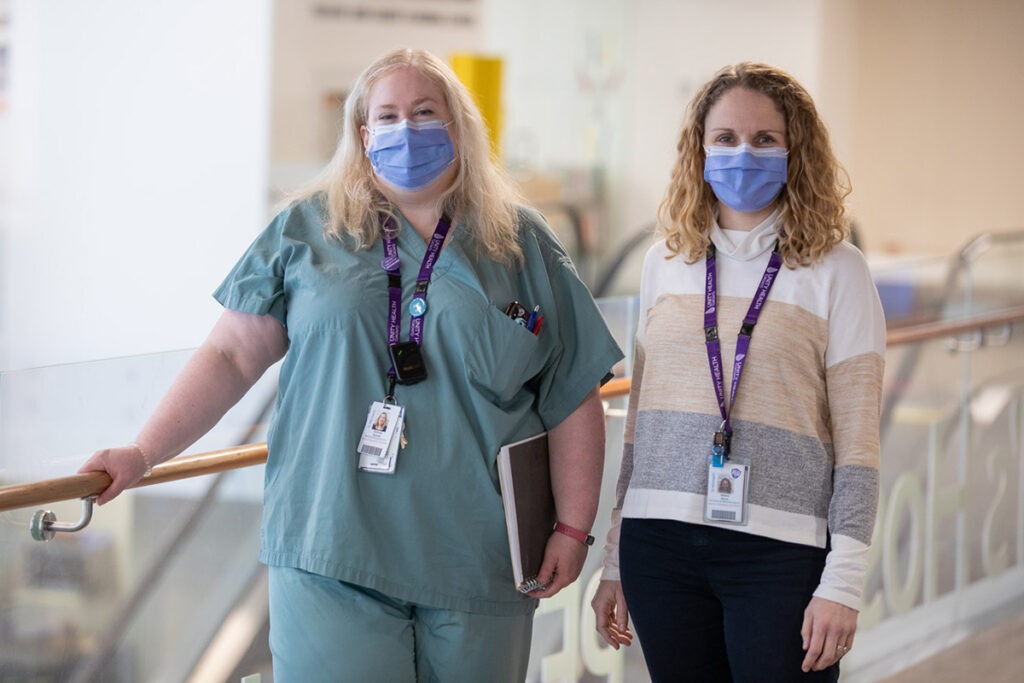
(720,448)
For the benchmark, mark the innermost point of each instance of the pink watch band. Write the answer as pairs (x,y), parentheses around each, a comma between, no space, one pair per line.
(581,536)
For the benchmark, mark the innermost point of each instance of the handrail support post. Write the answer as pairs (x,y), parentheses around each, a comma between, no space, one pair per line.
(44,525)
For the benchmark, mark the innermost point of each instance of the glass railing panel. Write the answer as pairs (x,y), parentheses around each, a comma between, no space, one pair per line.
(948,557)
(201,580)
(620,313)
(61,601)
(986,275)
(993,274)
(948,553)
(911,288)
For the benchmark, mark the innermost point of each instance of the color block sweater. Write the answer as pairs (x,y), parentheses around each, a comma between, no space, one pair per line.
(806,414)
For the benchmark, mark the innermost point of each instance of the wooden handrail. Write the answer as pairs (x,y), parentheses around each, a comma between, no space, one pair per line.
(945,328)
(91,483)
(619,386)
(83,485)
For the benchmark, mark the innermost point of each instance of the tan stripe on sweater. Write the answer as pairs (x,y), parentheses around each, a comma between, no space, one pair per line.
(855,393)
(783,377)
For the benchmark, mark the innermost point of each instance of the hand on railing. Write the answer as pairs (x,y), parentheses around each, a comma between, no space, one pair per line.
(126,466)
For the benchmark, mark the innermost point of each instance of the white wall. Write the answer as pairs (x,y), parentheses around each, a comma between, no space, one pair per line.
(133,172)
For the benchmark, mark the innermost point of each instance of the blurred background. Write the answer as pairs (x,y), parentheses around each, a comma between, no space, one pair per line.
(144,144)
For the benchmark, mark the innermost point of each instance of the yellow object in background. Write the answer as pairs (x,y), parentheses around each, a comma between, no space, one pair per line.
(482,77)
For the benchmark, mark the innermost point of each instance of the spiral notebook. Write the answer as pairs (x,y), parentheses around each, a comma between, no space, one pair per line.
(525,478)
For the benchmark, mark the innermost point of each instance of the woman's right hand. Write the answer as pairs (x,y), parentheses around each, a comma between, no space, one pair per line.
(612,616)
(126,465)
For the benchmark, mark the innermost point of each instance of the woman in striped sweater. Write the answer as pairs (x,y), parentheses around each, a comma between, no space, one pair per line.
(760,579)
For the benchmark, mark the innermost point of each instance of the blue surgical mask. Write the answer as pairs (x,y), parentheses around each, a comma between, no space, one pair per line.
(410,155)
(746,178)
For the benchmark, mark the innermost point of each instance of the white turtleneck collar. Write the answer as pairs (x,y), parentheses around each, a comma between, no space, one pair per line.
(750,245)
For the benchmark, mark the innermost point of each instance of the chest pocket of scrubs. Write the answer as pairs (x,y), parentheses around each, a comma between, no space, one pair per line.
(504,357)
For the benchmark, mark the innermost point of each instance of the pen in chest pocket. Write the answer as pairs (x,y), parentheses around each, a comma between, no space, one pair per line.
(531,320)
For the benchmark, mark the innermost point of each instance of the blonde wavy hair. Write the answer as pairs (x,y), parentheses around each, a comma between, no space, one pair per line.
(481,196)
(812,201)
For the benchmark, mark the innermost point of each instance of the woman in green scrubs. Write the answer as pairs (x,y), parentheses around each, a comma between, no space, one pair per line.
(409,281)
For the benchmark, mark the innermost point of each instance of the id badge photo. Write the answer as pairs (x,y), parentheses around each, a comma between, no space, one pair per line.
(381,437)
(726,499)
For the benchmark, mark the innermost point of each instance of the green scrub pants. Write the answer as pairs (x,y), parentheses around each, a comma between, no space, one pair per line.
(325,630)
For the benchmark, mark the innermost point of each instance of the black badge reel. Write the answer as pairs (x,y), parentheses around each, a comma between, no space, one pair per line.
(407,361)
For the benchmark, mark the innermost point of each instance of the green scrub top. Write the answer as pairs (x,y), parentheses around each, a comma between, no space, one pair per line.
(432,533)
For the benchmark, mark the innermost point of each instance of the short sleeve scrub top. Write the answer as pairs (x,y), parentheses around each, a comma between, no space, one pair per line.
(433,532)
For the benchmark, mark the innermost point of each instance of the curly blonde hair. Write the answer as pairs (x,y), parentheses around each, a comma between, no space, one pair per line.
(481,196)
(812,212)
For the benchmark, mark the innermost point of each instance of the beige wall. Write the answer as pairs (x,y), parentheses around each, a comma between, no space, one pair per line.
(932,130)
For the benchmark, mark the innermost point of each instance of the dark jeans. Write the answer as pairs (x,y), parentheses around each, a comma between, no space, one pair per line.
(713,604)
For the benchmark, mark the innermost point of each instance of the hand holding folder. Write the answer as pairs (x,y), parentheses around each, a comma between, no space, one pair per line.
(525,477)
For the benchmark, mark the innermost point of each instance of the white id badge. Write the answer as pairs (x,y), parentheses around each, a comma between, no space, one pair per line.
(726,500)
(378,445)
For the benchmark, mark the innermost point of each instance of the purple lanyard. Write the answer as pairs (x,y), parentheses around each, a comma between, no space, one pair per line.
(392,265)
(724,434)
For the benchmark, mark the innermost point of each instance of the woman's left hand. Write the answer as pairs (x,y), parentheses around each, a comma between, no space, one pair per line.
(827,632)
(563,562)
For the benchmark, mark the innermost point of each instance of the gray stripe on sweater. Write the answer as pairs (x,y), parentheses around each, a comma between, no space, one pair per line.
(789,472)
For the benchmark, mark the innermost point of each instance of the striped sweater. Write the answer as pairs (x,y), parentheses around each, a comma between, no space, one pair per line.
(807,409)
